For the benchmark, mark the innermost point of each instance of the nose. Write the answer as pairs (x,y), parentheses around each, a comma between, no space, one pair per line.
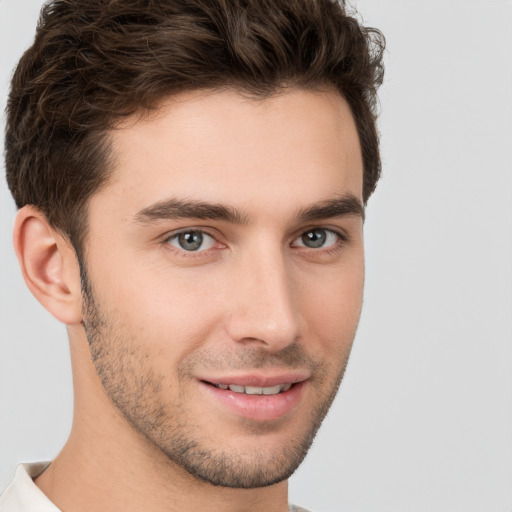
(263,304)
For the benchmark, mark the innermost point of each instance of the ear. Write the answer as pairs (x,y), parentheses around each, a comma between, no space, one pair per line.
(49,265)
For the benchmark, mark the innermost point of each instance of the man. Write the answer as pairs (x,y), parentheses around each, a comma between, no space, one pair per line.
(191,178)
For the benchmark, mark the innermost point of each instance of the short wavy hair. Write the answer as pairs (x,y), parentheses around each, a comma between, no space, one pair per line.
(94,62)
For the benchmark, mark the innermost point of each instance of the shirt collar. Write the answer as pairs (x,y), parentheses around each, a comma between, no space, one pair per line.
(23,495)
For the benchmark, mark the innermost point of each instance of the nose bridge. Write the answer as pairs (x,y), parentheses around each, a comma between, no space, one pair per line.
(263,307)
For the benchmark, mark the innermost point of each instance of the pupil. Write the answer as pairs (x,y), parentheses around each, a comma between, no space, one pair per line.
(191,241)
(315,238)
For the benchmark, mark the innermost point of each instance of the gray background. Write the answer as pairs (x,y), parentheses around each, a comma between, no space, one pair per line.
(424,418)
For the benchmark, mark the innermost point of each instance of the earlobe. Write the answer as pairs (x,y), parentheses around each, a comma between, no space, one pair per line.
(49,266)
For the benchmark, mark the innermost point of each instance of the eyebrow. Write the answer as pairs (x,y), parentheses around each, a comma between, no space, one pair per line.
(341,206)
(190,209)
(171,209)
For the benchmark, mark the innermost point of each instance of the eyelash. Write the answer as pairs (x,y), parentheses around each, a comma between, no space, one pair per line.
(189,254)
(341,240)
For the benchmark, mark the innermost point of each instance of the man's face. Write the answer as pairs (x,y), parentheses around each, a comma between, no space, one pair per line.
(224,277)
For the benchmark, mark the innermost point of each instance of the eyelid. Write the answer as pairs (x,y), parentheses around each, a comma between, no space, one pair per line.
(341,234)
(192,229)
(206,230)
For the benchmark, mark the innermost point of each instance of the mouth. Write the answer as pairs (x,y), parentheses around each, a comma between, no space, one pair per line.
(255,397)
(254,390)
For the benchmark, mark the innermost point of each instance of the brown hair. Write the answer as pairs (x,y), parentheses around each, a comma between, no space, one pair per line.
(96,61)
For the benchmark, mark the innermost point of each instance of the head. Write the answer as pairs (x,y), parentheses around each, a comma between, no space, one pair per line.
(209,163)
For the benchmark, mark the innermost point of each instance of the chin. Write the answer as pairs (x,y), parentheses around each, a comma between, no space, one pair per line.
(241,471)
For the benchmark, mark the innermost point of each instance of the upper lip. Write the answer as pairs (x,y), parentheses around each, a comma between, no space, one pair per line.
(258,379)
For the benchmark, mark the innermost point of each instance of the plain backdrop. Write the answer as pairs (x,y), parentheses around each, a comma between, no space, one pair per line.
(424,418)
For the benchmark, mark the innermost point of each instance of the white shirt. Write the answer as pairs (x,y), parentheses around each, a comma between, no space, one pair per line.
(23,495)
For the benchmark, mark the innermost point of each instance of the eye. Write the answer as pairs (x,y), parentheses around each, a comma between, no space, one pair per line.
(317,238)
(191,241)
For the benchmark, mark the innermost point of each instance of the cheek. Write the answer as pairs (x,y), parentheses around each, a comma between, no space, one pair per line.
(170,313)
(332,307)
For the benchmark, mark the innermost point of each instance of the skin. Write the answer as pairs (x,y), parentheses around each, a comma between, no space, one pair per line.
(253,302)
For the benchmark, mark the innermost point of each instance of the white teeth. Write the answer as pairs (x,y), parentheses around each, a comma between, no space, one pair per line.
(255,390)
(272,390)
(237,389)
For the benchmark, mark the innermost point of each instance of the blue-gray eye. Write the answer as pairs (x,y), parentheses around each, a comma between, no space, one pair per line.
(192,241)
(317,238)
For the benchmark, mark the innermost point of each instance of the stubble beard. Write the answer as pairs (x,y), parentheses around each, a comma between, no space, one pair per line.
(136,391)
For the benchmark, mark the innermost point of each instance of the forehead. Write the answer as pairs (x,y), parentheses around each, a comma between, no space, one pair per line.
(227,148)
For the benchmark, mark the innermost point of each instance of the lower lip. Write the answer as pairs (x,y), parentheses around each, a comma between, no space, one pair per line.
(258,407)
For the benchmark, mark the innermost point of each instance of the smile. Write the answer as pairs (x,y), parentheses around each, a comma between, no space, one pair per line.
(255,390)
(257,403)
